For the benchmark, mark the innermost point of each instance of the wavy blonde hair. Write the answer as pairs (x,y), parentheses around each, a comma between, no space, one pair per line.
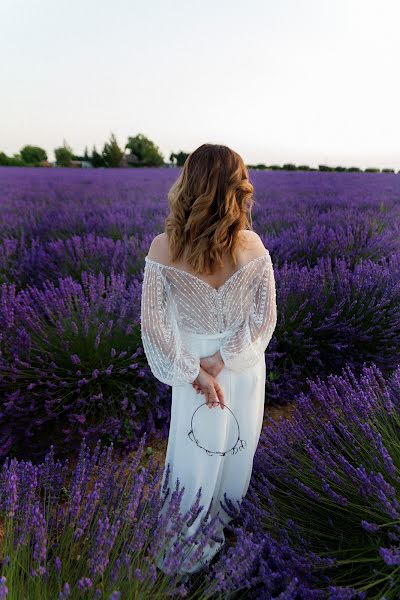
(210,203)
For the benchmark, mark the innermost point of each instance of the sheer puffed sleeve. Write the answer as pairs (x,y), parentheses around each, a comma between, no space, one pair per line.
(169,360)
(248,343)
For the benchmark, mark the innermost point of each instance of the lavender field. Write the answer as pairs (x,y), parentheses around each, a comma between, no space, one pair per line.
(321,518)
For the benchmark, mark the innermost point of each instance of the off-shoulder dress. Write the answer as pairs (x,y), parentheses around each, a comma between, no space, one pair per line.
(183,319)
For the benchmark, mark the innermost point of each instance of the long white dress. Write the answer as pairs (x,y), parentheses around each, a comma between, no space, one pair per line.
(183,319)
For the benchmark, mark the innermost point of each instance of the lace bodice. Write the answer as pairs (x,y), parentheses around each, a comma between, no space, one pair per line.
(174,301)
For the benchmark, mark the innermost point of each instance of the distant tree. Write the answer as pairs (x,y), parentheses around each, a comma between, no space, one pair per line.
(63,155)
(261,166)
(387,170)
(274,167)
(146,152)
(372,170)
(353,169)
(11,161)
(112,153)
(97,159)
(340,169)
(33,154)
(86,154)
(303,168)
(3,159)
(179,158)
(289,167)
(325,168)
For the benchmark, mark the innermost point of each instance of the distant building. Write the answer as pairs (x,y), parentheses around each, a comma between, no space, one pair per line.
(80,164)
(77,164)
(130,160)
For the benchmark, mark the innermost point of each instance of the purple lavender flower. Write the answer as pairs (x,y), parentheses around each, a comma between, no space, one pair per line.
(3,588)
(390,555)
(65,593)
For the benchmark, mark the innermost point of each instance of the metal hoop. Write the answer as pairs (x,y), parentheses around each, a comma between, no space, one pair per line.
(239,444)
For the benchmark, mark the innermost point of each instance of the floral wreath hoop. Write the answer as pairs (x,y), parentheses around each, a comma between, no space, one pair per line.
(238,445)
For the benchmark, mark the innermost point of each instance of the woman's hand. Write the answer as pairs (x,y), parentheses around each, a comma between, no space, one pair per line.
(213,365)
(210,387)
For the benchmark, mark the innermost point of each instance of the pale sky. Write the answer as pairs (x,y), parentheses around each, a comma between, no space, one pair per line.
(303,81)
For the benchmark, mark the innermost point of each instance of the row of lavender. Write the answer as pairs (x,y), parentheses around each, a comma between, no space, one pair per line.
(72,247)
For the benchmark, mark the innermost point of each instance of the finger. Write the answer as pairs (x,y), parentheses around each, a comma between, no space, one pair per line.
(215,400)
(212,399)
(220,395)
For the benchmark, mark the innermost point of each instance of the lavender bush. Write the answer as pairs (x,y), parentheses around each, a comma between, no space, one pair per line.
(93,533)
(71,364)
(331,316)
(329,477)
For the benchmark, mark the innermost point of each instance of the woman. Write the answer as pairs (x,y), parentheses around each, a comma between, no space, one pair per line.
(208,312)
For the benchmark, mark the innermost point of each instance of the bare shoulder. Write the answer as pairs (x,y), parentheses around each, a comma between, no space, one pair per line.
(159,248)
(253,244)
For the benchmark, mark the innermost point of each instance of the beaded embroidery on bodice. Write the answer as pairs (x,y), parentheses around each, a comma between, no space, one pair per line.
(175,301)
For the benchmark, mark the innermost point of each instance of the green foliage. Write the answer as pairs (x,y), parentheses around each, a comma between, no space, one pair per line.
(33,154)
(179,158)
(11,161)
(63,155)
(97,159)
(112,153)
(4,159)
(145,151)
